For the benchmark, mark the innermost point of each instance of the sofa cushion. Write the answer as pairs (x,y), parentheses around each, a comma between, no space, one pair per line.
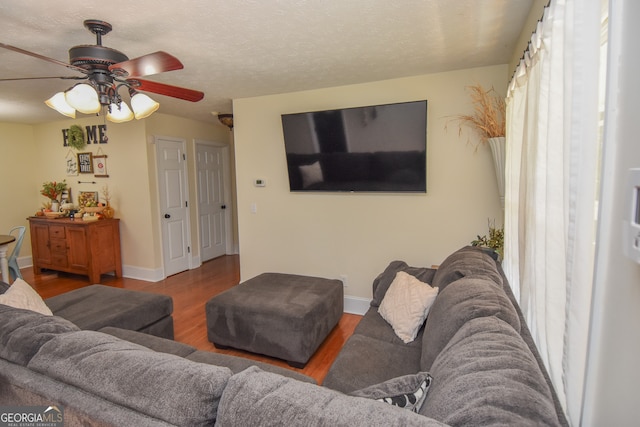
(239,364)
(407,392)
(461,301)
(160,385)
(406,305)
(374,326)
(21,295)
(467,261)
(23,332)
(486,375)
(152,342)
(257,398)
(365,361)
(383,281)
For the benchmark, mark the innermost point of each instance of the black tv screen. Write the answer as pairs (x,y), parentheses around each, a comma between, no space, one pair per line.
(378,148)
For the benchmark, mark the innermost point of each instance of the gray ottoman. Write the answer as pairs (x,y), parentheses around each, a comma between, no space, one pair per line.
(280,315)
(97,306)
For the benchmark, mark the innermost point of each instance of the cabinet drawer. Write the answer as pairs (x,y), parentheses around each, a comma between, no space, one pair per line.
(59,260)
(56,231)
(58,246)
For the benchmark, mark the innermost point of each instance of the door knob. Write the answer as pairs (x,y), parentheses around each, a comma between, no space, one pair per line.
(167,216)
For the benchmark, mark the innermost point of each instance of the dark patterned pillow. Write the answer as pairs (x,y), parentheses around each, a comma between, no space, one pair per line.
(408,392)
(3,287)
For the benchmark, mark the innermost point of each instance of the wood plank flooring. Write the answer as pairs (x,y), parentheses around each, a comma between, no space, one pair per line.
(190,291)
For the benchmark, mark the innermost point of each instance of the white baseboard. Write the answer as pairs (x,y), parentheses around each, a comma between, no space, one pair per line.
(352,305)
(356,305)
(140,273)
(25,261)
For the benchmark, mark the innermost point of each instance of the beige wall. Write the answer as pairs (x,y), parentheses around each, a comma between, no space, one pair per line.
(359,234)
(18,173)
(34,154)
(535,14)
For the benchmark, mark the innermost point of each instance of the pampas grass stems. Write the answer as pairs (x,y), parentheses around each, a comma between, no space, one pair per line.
(488,118)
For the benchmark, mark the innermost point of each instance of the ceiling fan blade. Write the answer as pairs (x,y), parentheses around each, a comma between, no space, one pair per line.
(43,78)
(165,89)
(44,58)
(153,63)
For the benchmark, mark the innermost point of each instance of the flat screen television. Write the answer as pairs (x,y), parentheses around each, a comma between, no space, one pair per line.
(378,148)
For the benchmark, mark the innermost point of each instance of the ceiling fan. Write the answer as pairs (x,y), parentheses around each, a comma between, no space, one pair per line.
(106,70)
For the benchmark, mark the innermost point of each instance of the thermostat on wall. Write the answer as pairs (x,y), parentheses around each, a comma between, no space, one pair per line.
(631,236)
(259,182)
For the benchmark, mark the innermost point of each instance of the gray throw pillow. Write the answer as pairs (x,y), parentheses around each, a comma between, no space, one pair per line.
(383,281)
(408,392)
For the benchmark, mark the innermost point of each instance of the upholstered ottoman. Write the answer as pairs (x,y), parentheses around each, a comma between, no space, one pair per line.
(280,315)
(97,306)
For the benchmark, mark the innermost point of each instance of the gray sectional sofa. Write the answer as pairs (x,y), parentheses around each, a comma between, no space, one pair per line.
(475,344)
(484,369)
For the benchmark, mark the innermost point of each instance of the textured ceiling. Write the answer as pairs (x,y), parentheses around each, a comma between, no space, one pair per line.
(244,48)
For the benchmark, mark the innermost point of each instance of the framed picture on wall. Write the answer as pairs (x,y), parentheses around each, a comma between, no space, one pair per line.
(72,165)
(85,162)
(87,196)
(100,166)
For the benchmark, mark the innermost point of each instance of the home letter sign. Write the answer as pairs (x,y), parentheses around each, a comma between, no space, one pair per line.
(96,134)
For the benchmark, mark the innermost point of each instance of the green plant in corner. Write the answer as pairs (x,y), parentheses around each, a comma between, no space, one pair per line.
(495,240)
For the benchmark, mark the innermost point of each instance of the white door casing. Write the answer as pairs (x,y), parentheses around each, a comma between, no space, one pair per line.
(211,201)
(173,200)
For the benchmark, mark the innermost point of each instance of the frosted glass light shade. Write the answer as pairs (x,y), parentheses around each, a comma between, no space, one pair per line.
(84,98)
(143,106)
(58,103)
(119,114)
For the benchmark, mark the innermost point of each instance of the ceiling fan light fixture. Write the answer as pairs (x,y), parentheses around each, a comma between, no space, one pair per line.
(119,113)
(84,98)
(58,103)
(142,105)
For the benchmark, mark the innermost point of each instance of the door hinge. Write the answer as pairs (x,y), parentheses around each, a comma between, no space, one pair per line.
(188,249)
(184,156)
(186,204)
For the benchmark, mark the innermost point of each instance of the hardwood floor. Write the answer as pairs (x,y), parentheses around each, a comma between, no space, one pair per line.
(190,291)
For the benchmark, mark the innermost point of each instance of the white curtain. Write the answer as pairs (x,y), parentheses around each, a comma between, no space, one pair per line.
(551,175)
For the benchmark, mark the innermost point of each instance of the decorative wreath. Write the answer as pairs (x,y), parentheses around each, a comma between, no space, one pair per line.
(76,137)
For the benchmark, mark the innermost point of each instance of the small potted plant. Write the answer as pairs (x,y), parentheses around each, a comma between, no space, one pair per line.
(494,241)
(52,190)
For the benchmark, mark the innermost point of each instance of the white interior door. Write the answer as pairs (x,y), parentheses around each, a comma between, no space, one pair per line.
(211,201)
(174,210)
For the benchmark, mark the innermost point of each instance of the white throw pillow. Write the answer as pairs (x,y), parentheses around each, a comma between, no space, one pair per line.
(21,295)
(406,304)
(311,174)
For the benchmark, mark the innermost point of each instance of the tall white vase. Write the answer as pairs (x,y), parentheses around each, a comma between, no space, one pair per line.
(498,146)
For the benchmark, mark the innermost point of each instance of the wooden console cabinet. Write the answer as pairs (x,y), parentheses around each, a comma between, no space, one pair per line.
(76,246)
